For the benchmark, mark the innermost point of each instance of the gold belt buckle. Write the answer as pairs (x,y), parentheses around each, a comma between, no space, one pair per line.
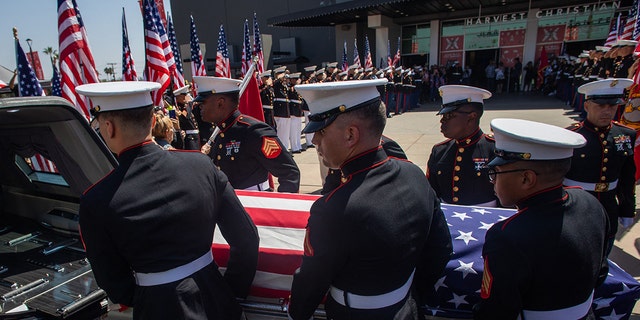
(602,187)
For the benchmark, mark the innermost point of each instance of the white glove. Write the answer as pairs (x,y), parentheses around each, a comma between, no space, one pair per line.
(626,222)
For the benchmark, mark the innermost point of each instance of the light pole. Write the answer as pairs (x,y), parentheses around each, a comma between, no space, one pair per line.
(29,41)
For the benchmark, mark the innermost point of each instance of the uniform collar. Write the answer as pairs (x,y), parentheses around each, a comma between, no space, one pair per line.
(229,121)
(592,127)
(138,149)
(363,161)
(545,196)
(470,140)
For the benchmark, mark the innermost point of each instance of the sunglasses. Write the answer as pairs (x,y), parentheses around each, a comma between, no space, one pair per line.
(492,173)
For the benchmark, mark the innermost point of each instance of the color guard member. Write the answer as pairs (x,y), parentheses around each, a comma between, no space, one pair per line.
(266,96)
(604,166)
(246,149)
(544,261)
(365,251)
(148,245)
(454,168)
(185,117)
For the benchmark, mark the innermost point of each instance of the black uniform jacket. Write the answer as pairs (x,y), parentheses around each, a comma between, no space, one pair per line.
(550,255)
(607,157)
(455,169)
(247,150)
(359,241)
(151,215)
(280,100)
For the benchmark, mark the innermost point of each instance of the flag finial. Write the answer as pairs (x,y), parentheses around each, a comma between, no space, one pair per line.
(15,33)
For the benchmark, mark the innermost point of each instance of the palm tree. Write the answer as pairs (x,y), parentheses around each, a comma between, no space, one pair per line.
(53,55)
(109,71)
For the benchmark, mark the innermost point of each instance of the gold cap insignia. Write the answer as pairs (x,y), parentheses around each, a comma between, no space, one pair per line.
(526,156)
(96,109)
(342,108)
(213,91)
(468,99)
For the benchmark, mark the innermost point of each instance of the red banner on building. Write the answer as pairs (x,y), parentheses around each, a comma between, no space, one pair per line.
(454,43)
(551,34)
(508,55)
(509,38)
(449,57)
(34,60)
(553,50)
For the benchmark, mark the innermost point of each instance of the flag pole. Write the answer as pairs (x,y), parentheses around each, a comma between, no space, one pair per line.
(15,36)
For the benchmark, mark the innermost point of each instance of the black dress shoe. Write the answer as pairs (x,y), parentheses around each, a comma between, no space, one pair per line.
(311,146)
(296,151)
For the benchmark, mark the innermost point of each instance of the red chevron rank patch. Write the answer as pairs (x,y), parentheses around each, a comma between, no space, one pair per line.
(270,147)
(487,280)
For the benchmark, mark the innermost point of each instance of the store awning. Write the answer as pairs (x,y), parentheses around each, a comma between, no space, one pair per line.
(412,11)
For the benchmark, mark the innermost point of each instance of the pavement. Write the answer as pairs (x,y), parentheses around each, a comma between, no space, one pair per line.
(419,129)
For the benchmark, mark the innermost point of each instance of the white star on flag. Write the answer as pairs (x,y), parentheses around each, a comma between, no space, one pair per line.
(614,316)
(485,226)
(465,268)
(458,300)
(440,283)
(481,211)
(466,237)
(603,303)
(461,215)
(502,218)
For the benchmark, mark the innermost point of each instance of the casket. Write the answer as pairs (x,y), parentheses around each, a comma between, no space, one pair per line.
(281,219)
(49,156)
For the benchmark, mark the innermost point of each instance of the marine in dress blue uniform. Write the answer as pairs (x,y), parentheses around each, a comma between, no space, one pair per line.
(545,261)
(455,166)
(605,166)
(266,96)
(186,118)
(365,251)
(245,149)
(149,248)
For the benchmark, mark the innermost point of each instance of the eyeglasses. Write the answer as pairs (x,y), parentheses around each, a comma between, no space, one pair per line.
(492,173)
(452,114)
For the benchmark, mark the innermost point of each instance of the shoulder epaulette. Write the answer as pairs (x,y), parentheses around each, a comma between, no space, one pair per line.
(623,125)
(575,126)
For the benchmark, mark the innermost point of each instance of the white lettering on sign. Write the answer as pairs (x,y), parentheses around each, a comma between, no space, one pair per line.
(509,17)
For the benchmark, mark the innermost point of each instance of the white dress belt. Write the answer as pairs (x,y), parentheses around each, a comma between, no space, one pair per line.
(260,186)
(596,187)
(372,302)
(175,274)
(266,106)
(192,131)
(281,99)
(569,313)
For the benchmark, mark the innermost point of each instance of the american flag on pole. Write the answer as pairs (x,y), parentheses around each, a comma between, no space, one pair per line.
(356,55)
(344,66)
(246,49)
(76,61)
(28,85)
(396,58)
(368,63)
(281,219)
(156,69)
(630,23)
(56,89)
(613,33)
(176,77)
(179,74)
(223,68)
(197,64)
(636,27)
(257,47)
(389,57)
(128,68)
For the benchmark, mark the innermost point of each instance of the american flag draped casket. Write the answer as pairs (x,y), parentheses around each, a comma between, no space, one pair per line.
(281,219)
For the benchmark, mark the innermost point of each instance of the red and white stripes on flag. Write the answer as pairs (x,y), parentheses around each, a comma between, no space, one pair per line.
(246,49)
(613,33)
(128,67)
(41,164)
(257,47)
(223,67)
(368,63)
(76,61)
(630,23)
(281,219)
(177,77)
(356,56)
(197,63)
(397,57)
(156,68)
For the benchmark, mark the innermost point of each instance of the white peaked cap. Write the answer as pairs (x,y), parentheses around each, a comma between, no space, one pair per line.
(327,100)
(118,95)
(181,90)
(455,95)
(211,85)
(518,140)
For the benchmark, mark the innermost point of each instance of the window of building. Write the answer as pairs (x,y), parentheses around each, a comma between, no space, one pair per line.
(416,39)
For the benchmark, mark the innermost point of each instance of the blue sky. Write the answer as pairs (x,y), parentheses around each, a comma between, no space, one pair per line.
(38,20)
